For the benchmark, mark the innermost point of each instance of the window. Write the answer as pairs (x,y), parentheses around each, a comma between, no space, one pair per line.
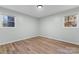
(8,21)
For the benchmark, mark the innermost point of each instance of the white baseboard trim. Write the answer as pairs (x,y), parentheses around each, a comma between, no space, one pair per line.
(77,43)
(3,43)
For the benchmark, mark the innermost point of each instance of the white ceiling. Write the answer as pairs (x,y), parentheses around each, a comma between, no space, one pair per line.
(33,11)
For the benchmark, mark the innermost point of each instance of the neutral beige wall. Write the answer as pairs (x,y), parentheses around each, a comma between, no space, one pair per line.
(53,27)
(26,27)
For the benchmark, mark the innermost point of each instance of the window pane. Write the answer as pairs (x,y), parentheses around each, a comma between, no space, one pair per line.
(5,21)
(11,24)
(10,19)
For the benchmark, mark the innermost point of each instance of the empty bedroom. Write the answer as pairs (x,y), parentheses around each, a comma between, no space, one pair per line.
(39,29)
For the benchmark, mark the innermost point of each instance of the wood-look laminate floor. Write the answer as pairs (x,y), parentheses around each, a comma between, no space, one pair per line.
(39,45)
